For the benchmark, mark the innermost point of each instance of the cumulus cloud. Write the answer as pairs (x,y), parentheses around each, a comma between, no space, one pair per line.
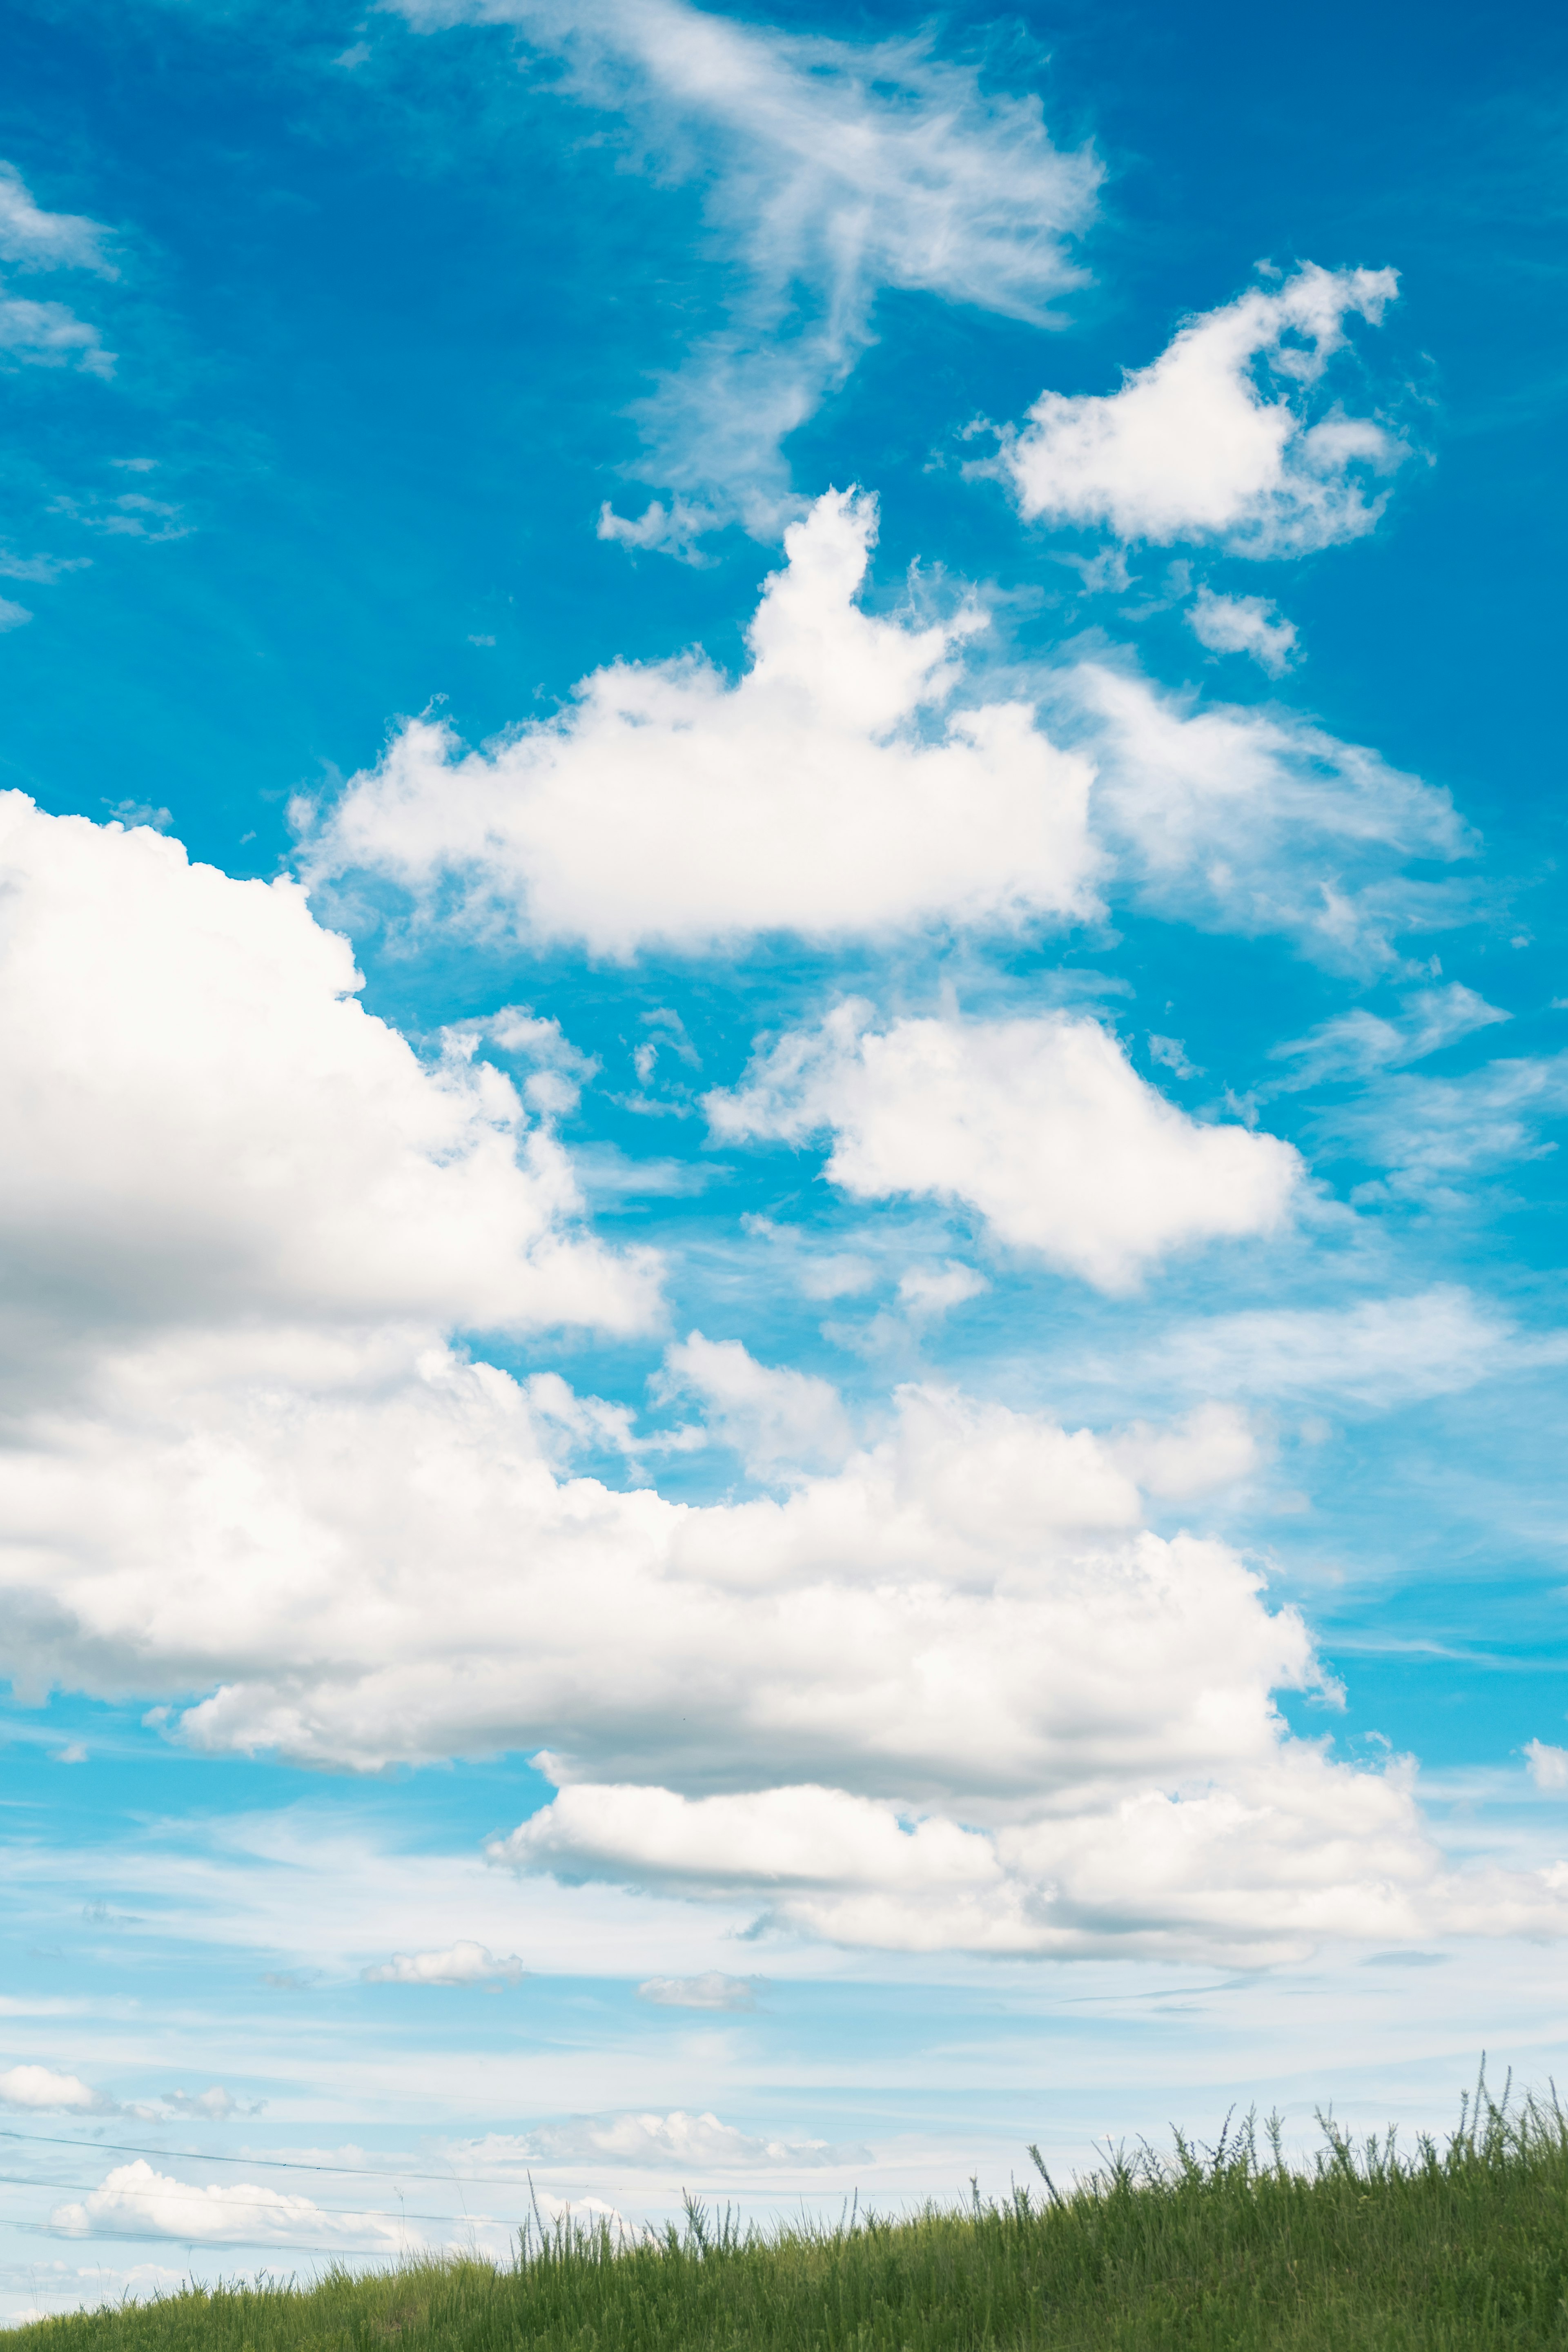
(776,1419)
(1040,1123)
(216,1133)
(1250,1871)
(1212,1446)
(671,805)
(462,1963)
(39,2087)
(833,170)
(1255,821)
(713,1989)
(1020,1721)
(1220,437)
(135,2200)
(1548,1766)
(671,2142)
(1243,625)
(861,778)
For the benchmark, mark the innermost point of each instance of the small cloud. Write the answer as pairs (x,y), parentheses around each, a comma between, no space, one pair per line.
(135,464)
(290,1980)
(462,1963)
(1548,1766)
(41,2091)
(673,531)
(354,57)
(139,813)
(1244,624)
(37,239)
(74,1753)
(713,1991)
(213,2105)
(481,641)
(1173,1053)
(930,1290)
(13,615)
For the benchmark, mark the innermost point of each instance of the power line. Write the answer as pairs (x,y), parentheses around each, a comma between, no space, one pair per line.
(272,2163)
(183,2193)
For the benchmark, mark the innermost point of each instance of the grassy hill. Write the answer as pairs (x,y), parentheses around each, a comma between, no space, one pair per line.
(1457,2248)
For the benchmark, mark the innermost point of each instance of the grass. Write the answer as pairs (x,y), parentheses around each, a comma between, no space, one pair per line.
(1453,2249)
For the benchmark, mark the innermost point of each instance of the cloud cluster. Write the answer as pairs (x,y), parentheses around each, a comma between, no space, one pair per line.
(1038,1124)
(829,790)
(45,334)
(942,1688)
(211,1134)
(1219,438)
(833,170)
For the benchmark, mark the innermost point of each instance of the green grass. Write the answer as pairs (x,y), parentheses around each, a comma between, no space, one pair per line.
(1451,2249)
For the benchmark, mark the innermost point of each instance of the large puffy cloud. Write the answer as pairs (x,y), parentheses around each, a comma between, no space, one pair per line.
(822,793)
(950,1693)
(859,779)
(1214,439)
(208,1130)
(1040,1123)
(1255,821)
(833,169)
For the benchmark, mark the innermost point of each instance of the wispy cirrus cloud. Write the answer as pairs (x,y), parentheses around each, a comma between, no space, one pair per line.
(832,169)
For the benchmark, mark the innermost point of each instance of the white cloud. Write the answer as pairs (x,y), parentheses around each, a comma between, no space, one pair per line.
(833,170)
(1243,625)
(1431,1134)
(218,1132)
(1022,1723)
(1253,821)
(652,2142)
(214,2105)
(41,2088)
(670,806)
(1548,1766)
(1251,1872)
(711,1989)
(136,2201)
(1212,1446)
(44,240)
(1380,1352)
(12,614)
(462,1963)
(47,334)
(1040,1123)
(776,1418)
(1355,1045)
(1218,438)
(928,1290)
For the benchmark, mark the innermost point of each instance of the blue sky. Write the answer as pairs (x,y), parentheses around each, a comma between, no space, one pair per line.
(783,958)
